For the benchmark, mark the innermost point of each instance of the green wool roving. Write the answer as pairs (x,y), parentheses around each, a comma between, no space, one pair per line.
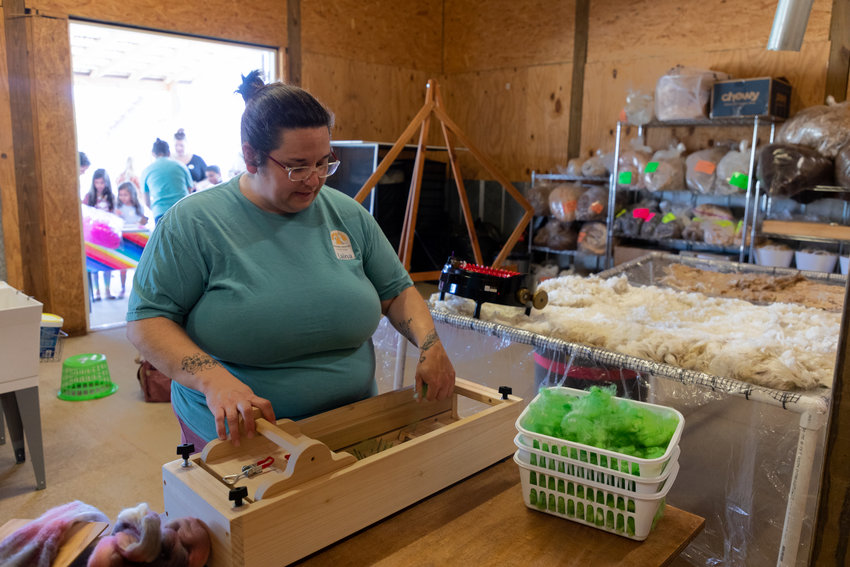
(598,420)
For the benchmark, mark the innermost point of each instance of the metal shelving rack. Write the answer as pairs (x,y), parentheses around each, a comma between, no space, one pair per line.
(569,179)
(756,122)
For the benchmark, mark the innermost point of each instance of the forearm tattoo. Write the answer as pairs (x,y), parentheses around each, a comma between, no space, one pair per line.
(430,340)
(405,330)
(197,362)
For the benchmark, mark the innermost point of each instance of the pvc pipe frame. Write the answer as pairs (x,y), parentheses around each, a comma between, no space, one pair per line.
(789,25)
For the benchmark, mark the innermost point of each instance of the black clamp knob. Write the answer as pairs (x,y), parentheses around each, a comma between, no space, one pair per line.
(185,450)
(237,494)
(505,391)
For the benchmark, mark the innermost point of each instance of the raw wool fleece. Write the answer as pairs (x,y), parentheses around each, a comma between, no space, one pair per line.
(780,346)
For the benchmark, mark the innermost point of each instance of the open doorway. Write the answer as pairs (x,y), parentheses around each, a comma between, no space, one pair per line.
(132,87)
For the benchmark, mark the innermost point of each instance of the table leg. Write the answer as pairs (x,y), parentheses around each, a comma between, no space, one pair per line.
(16,428)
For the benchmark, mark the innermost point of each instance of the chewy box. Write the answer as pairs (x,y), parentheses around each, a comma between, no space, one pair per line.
(763,96)
(20,328)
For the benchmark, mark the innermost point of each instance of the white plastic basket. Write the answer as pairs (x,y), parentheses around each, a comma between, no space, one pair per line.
(621,463)
(630,515)
(553,463)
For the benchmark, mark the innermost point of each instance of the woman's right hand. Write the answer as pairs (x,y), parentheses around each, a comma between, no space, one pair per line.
(229,398)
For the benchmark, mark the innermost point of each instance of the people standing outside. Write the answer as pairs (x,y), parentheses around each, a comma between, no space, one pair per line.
(265,291)
(130,209)
(212,179)
(100,197)
(165,181)
(195,163)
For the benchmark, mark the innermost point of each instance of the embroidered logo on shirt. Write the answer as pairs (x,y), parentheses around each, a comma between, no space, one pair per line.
(342,245)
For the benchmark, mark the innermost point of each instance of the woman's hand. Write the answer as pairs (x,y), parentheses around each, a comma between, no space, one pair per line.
(227,399)
(434,369)
(410,316)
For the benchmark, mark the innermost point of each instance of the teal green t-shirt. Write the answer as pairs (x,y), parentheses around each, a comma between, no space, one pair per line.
(287,303)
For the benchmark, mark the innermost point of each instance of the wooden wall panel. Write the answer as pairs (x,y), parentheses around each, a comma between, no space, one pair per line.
(402,34)
(8,191)
(500,34)
(56,145)
(518,117)
(260,22)
(370,101)
(623,30)
(608,82)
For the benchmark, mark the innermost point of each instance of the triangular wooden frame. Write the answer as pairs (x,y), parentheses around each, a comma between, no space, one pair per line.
(434,106)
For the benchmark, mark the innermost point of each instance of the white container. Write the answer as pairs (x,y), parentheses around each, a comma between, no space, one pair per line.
(618,463)
(630,515)
(814,261)
(844,261)
(549,462)
(774,257)
(20,329)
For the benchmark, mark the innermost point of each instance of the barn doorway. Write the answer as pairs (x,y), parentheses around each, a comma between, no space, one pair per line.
(132,86)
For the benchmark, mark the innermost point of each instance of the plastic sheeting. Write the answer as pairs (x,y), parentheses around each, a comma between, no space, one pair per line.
(750,456)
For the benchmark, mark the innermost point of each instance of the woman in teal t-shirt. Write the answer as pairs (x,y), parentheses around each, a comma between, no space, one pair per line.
(266,290)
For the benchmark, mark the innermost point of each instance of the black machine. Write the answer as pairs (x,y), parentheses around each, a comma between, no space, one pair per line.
(483,284)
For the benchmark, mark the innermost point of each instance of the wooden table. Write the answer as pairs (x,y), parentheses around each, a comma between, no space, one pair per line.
(484,521)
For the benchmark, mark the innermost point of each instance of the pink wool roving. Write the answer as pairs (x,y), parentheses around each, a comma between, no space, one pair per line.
(37,543)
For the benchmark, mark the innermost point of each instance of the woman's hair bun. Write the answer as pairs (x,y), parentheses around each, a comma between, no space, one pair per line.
(180,135)
(251,84)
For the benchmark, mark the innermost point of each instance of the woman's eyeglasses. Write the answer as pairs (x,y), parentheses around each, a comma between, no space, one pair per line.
(303,173)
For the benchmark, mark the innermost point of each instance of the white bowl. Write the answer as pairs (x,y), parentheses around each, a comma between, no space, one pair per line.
(815,262)
(774,257)
(844,261)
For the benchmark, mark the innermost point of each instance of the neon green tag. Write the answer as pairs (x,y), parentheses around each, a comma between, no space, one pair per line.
(724,223)
(740,226)
(669,217)
(739,180)
(697,219)
(651,167)
(625,178)
(621,213)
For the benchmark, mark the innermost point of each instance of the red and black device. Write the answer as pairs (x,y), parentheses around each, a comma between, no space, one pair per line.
(483,284)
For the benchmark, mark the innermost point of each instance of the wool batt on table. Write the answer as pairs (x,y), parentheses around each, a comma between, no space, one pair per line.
(780,346)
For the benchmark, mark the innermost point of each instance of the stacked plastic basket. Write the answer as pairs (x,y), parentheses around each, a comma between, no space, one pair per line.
(605,489)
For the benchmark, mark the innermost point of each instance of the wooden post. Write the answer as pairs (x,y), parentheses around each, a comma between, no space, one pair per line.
(293,48)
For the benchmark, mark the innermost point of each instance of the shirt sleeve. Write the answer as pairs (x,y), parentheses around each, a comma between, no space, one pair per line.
(170,277)
(380,261)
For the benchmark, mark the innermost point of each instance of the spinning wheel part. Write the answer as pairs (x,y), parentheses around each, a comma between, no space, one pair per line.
(540,299)
(523,295)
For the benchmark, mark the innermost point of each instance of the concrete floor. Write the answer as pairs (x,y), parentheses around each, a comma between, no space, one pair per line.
(106,452)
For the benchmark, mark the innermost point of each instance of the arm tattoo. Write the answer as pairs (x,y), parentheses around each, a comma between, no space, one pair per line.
(197,362)
(430,340)
(404,328)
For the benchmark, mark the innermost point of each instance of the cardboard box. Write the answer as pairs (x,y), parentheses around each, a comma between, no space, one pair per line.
(20,334)
(763,96)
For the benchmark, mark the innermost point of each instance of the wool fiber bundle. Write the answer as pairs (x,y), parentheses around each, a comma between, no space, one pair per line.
(780,346)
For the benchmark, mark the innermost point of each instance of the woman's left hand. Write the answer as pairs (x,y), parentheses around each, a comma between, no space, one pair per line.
(435,370)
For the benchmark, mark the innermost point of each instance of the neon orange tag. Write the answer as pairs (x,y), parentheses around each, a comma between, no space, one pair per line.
(706,167)
(570,206)
(596,207)
(581,236)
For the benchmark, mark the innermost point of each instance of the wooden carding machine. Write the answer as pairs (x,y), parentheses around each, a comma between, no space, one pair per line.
(483,284)
(335,473)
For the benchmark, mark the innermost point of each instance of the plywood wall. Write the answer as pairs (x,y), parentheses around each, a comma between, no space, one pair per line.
(8,194)
(508,70)
(56,136)
(631,44)
(261,22)
(370,62)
